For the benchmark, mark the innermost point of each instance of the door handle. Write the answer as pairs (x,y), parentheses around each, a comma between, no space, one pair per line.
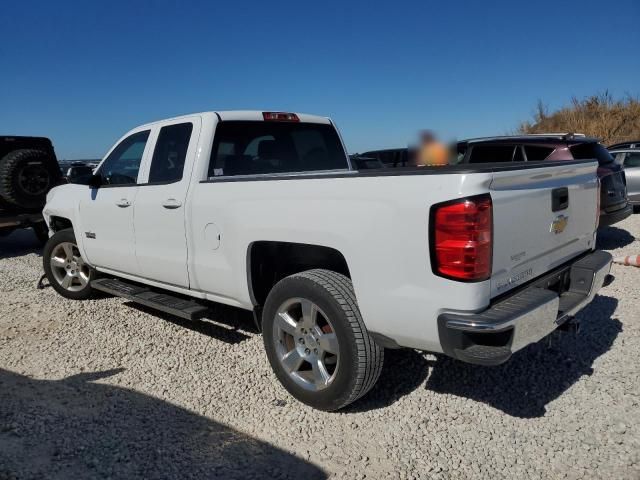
(123,203)
(171,203)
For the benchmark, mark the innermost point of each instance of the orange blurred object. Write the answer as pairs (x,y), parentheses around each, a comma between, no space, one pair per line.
(432,152)
(632,260)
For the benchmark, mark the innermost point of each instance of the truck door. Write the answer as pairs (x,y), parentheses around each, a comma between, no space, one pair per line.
(159,211)
(107,212)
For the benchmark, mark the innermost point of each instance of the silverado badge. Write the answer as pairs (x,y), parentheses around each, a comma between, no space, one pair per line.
(559,224)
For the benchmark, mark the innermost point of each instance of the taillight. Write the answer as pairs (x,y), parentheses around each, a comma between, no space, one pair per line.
(280,117)
(461,238)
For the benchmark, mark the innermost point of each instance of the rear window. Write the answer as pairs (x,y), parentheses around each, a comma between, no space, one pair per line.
(491,153)
(537,153)
(258,148)
(588,151)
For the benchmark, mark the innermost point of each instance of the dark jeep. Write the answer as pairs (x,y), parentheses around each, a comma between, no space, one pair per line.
(28,170)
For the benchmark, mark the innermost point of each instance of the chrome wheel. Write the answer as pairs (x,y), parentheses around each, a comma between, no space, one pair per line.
(68,267)
(306,344)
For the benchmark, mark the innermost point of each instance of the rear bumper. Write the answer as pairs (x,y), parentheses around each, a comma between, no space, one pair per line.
(526,316)
(22,220)
(610,218)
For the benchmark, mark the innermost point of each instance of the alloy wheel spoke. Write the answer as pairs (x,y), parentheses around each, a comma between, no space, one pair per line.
(286,323)
(67,281)
(57,262)
(292,361)
(309,313)
(82,278)
(68,250)
(329,343)
(320,374)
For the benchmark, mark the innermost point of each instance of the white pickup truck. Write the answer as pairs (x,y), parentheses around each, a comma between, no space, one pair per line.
(264,211)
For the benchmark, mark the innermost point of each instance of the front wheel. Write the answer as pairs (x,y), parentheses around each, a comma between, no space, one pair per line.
(316,340)
(65,268)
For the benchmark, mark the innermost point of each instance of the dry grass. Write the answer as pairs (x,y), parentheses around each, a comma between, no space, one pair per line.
(598,116)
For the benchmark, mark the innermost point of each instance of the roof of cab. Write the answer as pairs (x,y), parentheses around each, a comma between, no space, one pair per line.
(243,115)
(256,115)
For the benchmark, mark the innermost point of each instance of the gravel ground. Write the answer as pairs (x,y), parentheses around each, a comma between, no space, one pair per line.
(103,389)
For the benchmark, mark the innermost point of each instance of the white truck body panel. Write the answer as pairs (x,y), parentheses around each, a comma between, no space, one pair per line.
(524,245)
(379,223)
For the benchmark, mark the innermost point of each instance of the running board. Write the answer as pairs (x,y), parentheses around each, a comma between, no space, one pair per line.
(165,302)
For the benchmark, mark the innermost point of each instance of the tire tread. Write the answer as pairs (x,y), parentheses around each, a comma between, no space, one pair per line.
(9,162)
(370,354)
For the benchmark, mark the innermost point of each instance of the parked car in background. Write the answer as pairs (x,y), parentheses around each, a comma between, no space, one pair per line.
(614,204)
(361,162)
(264,211)
(390,157)
(627,155)
(79,172)
(28,170)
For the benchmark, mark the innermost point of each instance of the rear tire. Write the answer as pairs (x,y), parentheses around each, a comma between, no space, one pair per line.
(26,176)
(65,269)
(316,340)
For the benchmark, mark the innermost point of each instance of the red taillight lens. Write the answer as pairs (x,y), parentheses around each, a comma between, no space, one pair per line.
(280,117)
(462,238)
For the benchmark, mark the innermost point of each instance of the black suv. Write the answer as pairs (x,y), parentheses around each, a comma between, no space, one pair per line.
(28,170)
(614,205)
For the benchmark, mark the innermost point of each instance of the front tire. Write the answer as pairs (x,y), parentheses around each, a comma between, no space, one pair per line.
(65,268)
(316,340)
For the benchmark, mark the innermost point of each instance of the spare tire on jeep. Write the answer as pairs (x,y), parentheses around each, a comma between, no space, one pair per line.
(26,176)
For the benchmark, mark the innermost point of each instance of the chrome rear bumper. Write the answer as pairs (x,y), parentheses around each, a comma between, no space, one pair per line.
(526,316)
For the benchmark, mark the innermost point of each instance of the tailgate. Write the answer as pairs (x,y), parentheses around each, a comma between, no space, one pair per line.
(543,217)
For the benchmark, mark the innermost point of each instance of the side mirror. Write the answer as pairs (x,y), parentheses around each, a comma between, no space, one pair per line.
(95,181)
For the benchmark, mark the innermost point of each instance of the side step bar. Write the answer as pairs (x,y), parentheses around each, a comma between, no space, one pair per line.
(165,302)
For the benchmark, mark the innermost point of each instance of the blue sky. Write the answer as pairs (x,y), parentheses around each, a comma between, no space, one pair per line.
(83,73)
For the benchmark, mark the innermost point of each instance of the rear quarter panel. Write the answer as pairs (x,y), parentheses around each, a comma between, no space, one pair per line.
(379,224)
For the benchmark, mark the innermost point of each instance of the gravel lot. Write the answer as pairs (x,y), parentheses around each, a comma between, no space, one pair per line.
(103,389)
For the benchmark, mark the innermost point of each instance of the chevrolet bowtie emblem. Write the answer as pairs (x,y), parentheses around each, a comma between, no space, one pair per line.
(559,224)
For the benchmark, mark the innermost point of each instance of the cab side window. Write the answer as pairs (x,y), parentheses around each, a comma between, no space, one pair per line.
(167,164)
(123,163)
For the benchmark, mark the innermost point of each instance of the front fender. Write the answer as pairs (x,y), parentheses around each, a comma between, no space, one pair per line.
(64,202)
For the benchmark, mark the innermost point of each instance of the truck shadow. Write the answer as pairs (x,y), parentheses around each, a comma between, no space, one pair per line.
(222,322)
(18,243)
(610,238)
(403,372)
(74,428)
(536,375)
